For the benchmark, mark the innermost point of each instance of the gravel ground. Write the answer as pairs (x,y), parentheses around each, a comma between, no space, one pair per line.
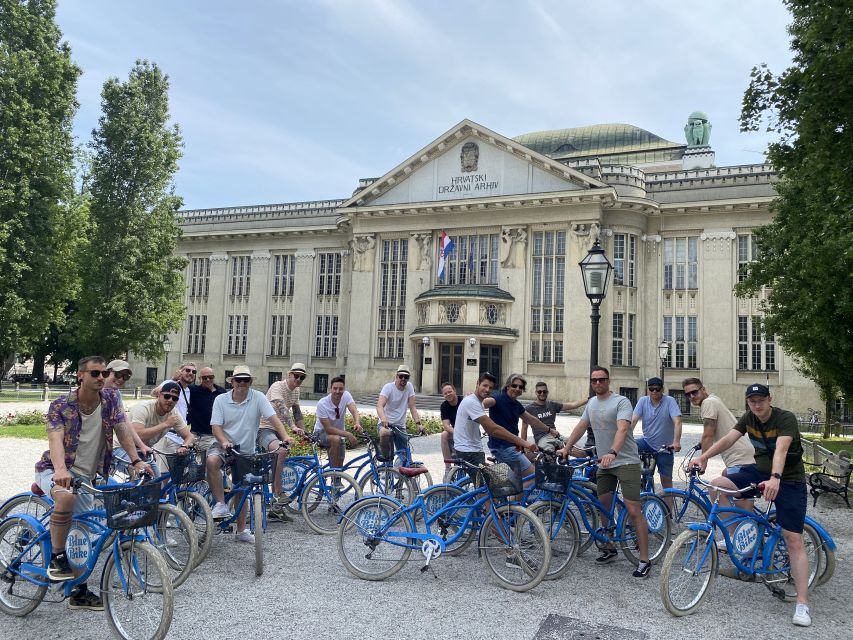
(306,590)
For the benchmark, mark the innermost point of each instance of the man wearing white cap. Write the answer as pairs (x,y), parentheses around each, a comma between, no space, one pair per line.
(120,373)
(283,395)
(394,399)
(234,421)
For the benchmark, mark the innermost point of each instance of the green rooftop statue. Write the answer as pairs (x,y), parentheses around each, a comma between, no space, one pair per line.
(697,130)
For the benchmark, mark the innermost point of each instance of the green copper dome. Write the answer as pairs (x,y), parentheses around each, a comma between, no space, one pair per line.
(595,140)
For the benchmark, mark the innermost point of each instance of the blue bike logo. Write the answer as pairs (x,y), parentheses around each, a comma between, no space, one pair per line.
(373,519)
(78,546)
(291,476)
(745,537)
(655,516)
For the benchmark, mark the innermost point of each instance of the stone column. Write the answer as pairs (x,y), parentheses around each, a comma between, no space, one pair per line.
(717,321)
(360,336)
(418,281)
(259,303)
(513,278)
(219,289)
(304,296)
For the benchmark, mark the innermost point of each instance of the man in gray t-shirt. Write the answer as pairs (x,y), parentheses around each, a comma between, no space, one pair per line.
(609,415)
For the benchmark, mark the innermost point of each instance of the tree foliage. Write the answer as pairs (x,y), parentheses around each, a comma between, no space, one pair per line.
(806,252)
(133,282)
(41,230)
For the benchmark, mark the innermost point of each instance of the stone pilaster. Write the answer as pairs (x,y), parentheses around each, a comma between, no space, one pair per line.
(304,295)
(216,301)
(259,303)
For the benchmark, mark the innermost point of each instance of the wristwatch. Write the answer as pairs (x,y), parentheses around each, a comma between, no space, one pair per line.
(133,464)
(612,452)
(778,476)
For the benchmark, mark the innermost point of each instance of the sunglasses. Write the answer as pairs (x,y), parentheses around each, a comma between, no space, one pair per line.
(169,396)
(690,394)
(542,391)
(298,376)
(402,377)
(655,389)
(123,376)
(97,374)
(192,371)
(242,380)
(208,377)
(519,386)
(598,380)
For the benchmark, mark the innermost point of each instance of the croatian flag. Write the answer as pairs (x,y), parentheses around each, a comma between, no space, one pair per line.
(445,246)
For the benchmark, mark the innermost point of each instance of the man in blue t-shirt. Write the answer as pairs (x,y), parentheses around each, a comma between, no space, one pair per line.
(661,428)
(505,409)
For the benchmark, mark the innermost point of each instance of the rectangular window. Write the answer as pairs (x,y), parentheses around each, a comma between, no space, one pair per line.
(548,281)
(393,274)
(280,332)
(683,335)
(151,376)
(284,267)
(623,340)
(326,337)
(755,351)
(241,274)
(624,259)
(680,263)
(329,280)
(196,333)
(747,251)
(474,260)
(199,278)
(238,335)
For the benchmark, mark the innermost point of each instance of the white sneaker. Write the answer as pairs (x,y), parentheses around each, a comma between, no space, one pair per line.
(221,511)
(244,536)
(802,618)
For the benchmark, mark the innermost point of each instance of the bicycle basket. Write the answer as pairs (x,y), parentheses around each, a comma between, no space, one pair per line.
(258,464)
(189,468)
(553,477)
(131,507)
(501,480)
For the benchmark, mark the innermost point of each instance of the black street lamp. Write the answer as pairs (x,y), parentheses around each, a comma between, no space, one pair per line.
(167,346)
(595,270)
(663,353)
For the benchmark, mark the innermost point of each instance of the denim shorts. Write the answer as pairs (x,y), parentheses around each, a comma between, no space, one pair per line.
(663,459)
(517,461)
(791,503)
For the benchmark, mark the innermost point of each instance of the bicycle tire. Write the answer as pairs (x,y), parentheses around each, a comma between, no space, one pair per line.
(585,526)
(685,509)
(782,584)
(174,536)
(356,533)
(290,483)
(199,511)
(518,538)
(658,523)
(680,565)
(258,522)
(31,505)
(563,533)
(388,481)
(827,564)
(21,596)
(435,498)
(140,561)
(322,509)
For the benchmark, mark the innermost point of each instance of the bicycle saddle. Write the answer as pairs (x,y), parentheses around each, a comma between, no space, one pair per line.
(36,489)
(411,472)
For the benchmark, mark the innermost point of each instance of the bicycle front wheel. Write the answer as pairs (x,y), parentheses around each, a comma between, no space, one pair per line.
(364,546)
(387,481)
(323,504)
(563,533)
(656,515)
(258,522)
(201,515)
(19,596)
(31,505)
(685,580)
(174,536)
(137,592)
(684,509)
(515,548)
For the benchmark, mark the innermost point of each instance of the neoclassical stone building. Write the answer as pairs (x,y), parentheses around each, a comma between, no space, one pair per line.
(352,285)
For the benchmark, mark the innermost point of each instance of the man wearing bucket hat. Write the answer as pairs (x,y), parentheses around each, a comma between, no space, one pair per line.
(283,395)
(394,399)
(775,436)
(234,421)
(120,373)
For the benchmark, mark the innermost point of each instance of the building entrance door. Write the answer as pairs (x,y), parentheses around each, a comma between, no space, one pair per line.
(490,360)
(450,364)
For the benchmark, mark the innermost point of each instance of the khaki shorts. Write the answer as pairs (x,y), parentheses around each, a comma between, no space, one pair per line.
(628,475)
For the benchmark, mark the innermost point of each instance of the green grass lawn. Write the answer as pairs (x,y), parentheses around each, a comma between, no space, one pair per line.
(35,431)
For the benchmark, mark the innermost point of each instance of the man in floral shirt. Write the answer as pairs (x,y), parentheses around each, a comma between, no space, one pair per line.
(80,429)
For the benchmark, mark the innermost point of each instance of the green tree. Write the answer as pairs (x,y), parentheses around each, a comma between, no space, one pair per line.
(806,253)
(40,231)
(133,282)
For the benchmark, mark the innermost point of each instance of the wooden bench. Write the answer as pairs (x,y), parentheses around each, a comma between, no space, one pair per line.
(834,477)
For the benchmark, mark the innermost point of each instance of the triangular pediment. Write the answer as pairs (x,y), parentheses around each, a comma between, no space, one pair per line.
(471,161)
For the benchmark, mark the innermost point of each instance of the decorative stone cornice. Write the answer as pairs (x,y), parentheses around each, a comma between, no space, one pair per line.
(261,254)
(218,257)
(305,255)
(718,239)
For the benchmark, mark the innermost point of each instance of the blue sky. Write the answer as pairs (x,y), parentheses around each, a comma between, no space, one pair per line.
(296,100)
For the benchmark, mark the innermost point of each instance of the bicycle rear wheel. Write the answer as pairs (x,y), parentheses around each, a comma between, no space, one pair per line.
(174,536)
(782,584)
(449,523)
(138,599)
(658,527)
(563,533)
(363,543)
(323,507)
(515,548)
(258,530)
(457,475)
(31,505)
(197,509)
(387,481)
(685,580)
(19,596)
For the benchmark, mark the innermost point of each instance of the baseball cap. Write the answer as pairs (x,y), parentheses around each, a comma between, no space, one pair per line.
(119,365)
(654,382)
(170,385)
(757,390)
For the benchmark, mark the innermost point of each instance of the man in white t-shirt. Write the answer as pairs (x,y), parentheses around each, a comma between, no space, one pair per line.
(394,399)
(718,421)
(470,416)
(234,421)
(330,427)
